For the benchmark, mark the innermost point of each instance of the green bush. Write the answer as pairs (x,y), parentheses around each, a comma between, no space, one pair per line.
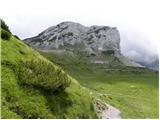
(4,26)
(17,37)
(43,75)
(5,35)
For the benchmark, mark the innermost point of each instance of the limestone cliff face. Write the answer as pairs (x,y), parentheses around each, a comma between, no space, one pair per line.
(70,36)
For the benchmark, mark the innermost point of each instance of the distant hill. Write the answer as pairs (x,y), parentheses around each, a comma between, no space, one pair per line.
(151,65)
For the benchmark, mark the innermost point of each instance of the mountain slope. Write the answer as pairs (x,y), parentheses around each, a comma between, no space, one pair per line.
(49,93)
(152,64)
(98,43)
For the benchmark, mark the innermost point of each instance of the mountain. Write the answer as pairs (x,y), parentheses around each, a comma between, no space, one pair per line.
(152,64)
(37,83)
(92,56)
(101,44)
(33,87)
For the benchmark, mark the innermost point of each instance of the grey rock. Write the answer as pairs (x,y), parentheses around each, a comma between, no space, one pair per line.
(93,41)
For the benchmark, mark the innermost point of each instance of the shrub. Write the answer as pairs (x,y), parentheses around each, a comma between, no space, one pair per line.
(43,75)
(17,37)
(4,26)
(5,35)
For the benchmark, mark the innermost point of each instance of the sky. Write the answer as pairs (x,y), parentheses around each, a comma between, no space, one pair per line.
(136,20)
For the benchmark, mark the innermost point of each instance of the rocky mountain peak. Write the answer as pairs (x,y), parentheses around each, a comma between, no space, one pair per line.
(70,33)
(72,26)
(70,36)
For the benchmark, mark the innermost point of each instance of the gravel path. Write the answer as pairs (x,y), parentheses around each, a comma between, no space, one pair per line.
(106,111)
(111,113)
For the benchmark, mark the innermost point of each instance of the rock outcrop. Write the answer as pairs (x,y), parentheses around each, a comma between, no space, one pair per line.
(96,42)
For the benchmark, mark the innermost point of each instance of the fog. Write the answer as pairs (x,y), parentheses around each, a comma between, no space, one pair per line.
(136,20)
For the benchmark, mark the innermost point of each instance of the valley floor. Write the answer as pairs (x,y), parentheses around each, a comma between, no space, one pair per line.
(133,95)
(134,91)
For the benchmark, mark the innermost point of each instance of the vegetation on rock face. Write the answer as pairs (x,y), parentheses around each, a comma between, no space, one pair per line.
(33,87)
(108,52)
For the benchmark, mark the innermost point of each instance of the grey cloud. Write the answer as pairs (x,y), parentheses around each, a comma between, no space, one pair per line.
(137,47)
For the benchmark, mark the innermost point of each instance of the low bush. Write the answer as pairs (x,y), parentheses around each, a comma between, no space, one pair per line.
(43,75)
(5,35)
(17,37)
(4,26)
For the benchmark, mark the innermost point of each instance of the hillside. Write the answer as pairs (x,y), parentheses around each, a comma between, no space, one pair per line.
(92,55)
(33,87)
(37,82)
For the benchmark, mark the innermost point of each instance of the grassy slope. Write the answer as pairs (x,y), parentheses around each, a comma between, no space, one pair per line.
(133,90)
(24,101)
